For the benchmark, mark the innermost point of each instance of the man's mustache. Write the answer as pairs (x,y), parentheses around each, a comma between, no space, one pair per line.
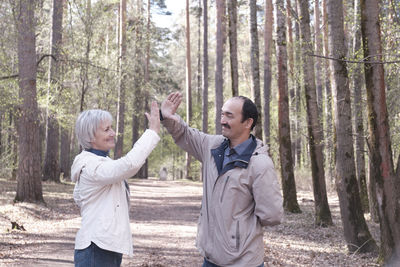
(226,125)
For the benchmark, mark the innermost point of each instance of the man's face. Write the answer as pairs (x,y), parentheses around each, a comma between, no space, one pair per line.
(231,120)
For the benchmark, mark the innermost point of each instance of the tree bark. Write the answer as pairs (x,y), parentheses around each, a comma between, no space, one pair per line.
(328,96)
(285,151)
(358,112)
(219,73)
(318,51)
(188,84)
(29,185)
(51,170)
(122,82)
(355,228)
(382,168)
(232,11)
(322,212)
(298,78)
(205,68)
(65,165)
(268,42)
(255,65)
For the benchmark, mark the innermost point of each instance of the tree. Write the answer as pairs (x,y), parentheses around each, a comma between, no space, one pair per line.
(122,81)
(382,170)
(51,168)
(322,211)
(205,68)
(328,92)
(269,19)
(285,151)
(355,228)
(29,186)
(188,83)
(318,51)
(255,63)
(232,12)
(219,74)
(358,111)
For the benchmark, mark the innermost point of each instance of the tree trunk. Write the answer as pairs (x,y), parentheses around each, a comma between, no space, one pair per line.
(328,96)
(198,93)
(255,64)
(318,51)
(382,171)
(268,42)
(285,151)
(232,12)
(65,165)
(322,211)
(205,68)
(219,73)
(51,170)
(29,185)
(355,228)
(291,83)
(122,82)
(188,83)
(358,111)
(298,89)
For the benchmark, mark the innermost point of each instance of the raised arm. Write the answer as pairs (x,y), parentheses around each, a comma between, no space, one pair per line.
(109,172)
(189,139)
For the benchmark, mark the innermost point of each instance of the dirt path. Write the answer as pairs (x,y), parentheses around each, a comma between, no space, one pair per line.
(163,222)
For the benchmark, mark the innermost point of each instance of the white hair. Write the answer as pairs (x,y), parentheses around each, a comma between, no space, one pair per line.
(87,124)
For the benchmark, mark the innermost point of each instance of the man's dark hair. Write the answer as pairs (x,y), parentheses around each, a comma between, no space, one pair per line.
(249,110)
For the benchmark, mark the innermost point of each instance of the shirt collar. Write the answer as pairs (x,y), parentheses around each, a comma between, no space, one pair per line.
(101,153)
(242,147)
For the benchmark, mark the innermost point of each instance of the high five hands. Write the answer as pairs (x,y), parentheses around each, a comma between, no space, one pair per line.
(170,105)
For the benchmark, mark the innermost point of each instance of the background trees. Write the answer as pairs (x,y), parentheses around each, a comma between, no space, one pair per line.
(118,58)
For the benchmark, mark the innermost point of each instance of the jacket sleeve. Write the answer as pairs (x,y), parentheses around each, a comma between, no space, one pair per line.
(189,139)
(267,196)
(112,171)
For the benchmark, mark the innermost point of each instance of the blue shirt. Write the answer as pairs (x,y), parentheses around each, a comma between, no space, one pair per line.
(232,154)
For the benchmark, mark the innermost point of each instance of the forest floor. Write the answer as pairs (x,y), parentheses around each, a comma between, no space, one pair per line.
(163,223)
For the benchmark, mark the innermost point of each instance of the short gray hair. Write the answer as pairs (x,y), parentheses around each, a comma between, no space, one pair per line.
(87,123)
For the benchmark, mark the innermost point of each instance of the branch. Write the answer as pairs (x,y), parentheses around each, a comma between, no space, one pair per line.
(362,61)
(13,76)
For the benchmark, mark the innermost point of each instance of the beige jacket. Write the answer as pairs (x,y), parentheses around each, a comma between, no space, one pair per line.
(236,204)
(101,194)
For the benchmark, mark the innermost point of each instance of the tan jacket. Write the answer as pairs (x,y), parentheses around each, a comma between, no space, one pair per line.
(101,195)
(235,204)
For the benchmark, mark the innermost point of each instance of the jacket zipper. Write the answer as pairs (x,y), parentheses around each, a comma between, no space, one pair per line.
(223,190)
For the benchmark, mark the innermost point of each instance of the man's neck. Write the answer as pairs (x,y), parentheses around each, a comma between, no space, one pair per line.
(238,141)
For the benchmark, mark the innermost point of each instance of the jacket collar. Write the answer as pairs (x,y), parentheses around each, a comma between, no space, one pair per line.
(241,162)
(101,153)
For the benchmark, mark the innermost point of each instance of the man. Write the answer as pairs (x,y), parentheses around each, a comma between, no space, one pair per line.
(240,189)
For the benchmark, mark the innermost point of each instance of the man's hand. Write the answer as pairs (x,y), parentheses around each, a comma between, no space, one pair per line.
(154,117)
(170,105)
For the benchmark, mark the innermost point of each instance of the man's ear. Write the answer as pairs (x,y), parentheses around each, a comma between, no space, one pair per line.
(248,123)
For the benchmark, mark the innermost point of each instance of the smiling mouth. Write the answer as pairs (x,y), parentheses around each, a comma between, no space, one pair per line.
(225,126)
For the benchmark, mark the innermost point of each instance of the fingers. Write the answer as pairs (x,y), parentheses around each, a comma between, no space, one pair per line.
(174,97)
(154,109)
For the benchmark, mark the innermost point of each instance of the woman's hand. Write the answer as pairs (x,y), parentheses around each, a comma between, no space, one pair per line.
(154,117)
(171,104)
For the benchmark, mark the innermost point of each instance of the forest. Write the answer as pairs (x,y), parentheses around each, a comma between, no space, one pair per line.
(324,75)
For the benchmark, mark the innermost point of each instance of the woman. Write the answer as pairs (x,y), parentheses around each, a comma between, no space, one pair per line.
(101,191)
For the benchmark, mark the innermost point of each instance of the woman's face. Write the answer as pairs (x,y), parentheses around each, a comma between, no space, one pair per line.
(104,137)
